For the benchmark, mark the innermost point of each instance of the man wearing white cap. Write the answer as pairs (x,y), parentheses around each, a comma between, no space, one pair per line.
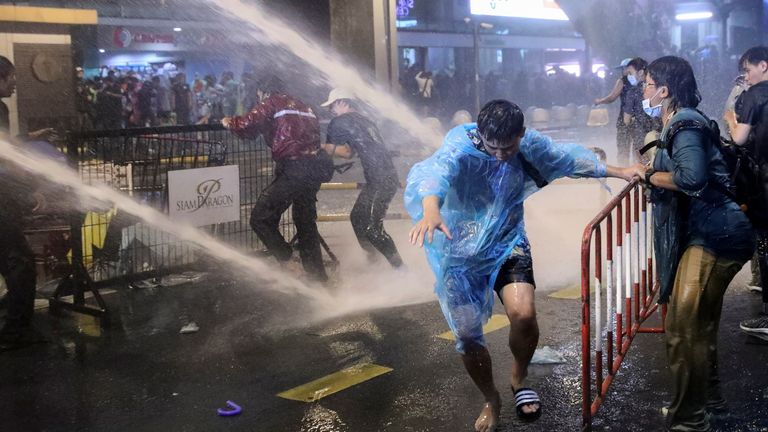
(620,89)
(349,134)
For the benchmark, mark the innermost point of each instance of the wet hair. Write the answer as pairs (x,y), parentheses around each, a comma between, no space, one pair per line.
(638,63)
(6,68)
(754,56)
(500,120)
(676,74)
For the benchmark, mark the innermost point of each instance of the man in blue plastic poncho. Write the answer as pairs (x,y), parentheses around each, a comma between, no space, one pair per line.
(471,191)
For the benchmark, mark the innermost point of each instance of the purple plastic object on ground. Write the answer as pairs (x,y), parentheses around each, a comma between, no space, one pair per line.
(233,412)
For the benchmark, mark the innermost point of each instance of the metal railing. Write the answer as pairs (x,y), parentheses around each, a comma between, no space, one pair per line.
(109,245)
(628,284)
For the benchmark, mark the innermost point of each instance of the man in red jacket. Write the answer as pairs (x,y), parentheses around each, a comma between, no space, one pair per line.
(292,132)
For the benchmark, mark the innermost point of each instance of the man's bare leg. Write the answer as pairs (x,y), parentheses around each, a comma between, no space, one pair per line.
(477,361)
(520,305)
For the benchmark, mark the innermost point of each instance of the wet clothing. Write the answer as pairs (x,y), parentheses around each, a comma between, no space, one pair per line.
(289,125)
(367,216)
(518,268)
(693,318)
(363,137)
(701,240)
(482,206)
(295,184)
(703,214)
(293,133)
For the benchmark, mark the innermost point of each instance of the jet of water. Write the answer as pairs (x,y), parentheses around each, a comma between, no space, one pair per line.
(335,69)
(252,267)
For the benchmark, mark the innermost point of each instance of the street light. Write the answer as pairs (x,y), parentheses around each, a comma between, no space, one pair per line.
(476,45)
(694,16)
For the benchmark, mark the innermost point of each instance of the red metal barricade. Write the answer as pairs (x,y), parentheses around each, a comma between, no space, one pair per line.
(619,239)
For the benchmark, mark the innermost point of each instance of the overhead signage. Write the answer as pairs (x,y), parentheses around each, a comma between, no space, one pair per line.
(123,37)
(534,9)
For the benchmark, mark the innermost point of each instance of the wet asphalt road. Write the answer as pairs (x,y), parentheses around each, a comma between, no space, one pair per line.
(142,375)
(253,343)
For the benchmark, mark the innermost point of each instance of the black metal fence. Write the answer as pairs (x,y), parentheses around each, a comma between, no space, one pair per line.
(136,162)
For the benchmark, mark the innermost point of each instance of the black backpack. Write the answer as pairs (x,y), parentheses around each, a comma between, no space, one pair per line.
(745,181)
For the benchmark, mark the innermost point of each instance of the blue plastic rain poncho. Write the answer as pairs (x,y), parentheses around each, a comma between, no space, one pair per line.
(482,205)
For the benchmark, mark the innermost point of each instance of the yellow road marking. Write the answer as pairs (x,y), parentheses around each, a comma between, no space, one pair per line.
(335,382)
(570,293)
(496,322)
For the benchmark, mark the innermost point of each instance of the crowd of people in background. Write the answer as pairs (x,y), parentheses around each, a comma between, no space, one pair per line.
(441,93)
(117,100)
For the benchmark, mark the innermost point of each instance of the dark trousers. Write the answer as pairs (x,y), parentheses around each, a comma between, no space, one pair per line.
(762,261)
(367,219)
(17,266)
(295,184)
(693,318)
(623,141)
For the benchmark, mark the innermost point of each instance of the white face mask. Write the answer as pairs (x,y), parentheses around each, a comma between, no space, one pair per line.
(632,80)
(652,111)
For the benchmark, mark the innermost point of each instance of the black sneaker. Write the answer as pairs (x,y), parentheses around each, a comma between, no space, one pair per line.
(756,327)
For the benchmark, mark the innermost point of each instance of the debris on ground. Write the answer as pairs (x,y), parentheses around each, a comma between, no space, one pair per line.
(546,355)
(190,328)
(230,412)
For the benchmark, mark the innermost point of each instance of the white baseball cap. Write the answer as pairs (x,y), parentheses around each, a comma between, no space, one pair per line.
(623,63)
(336,94)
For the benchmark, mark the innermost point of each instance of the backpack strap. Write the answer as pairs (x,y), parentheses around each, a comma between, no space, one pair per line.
(711,131)
(532,172)
(644,149)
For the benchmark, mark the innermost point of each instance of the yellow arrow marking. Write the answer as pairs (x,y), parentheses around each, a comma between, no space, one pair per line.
(334,383)
(496,322)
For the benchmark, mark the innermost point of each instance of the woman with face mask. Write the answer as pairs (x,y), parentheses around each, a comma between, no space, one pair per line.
(619,91)
(701,240)
(637,121)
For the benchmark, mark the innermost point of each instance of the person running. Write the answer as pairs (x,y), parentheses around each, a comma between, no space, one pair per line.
(349,134)
(293,133)
(466,201)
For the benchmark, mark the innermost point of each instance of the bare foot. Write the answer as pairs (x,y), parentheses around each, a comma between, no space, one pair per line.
(489,416)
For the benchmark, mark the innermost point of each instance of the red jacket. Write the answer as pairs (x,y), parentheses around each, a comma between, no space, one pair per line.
(289,127)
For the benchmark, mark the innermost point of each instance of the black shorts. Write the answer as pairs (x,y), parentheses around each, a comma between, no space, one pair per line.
(518,268)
